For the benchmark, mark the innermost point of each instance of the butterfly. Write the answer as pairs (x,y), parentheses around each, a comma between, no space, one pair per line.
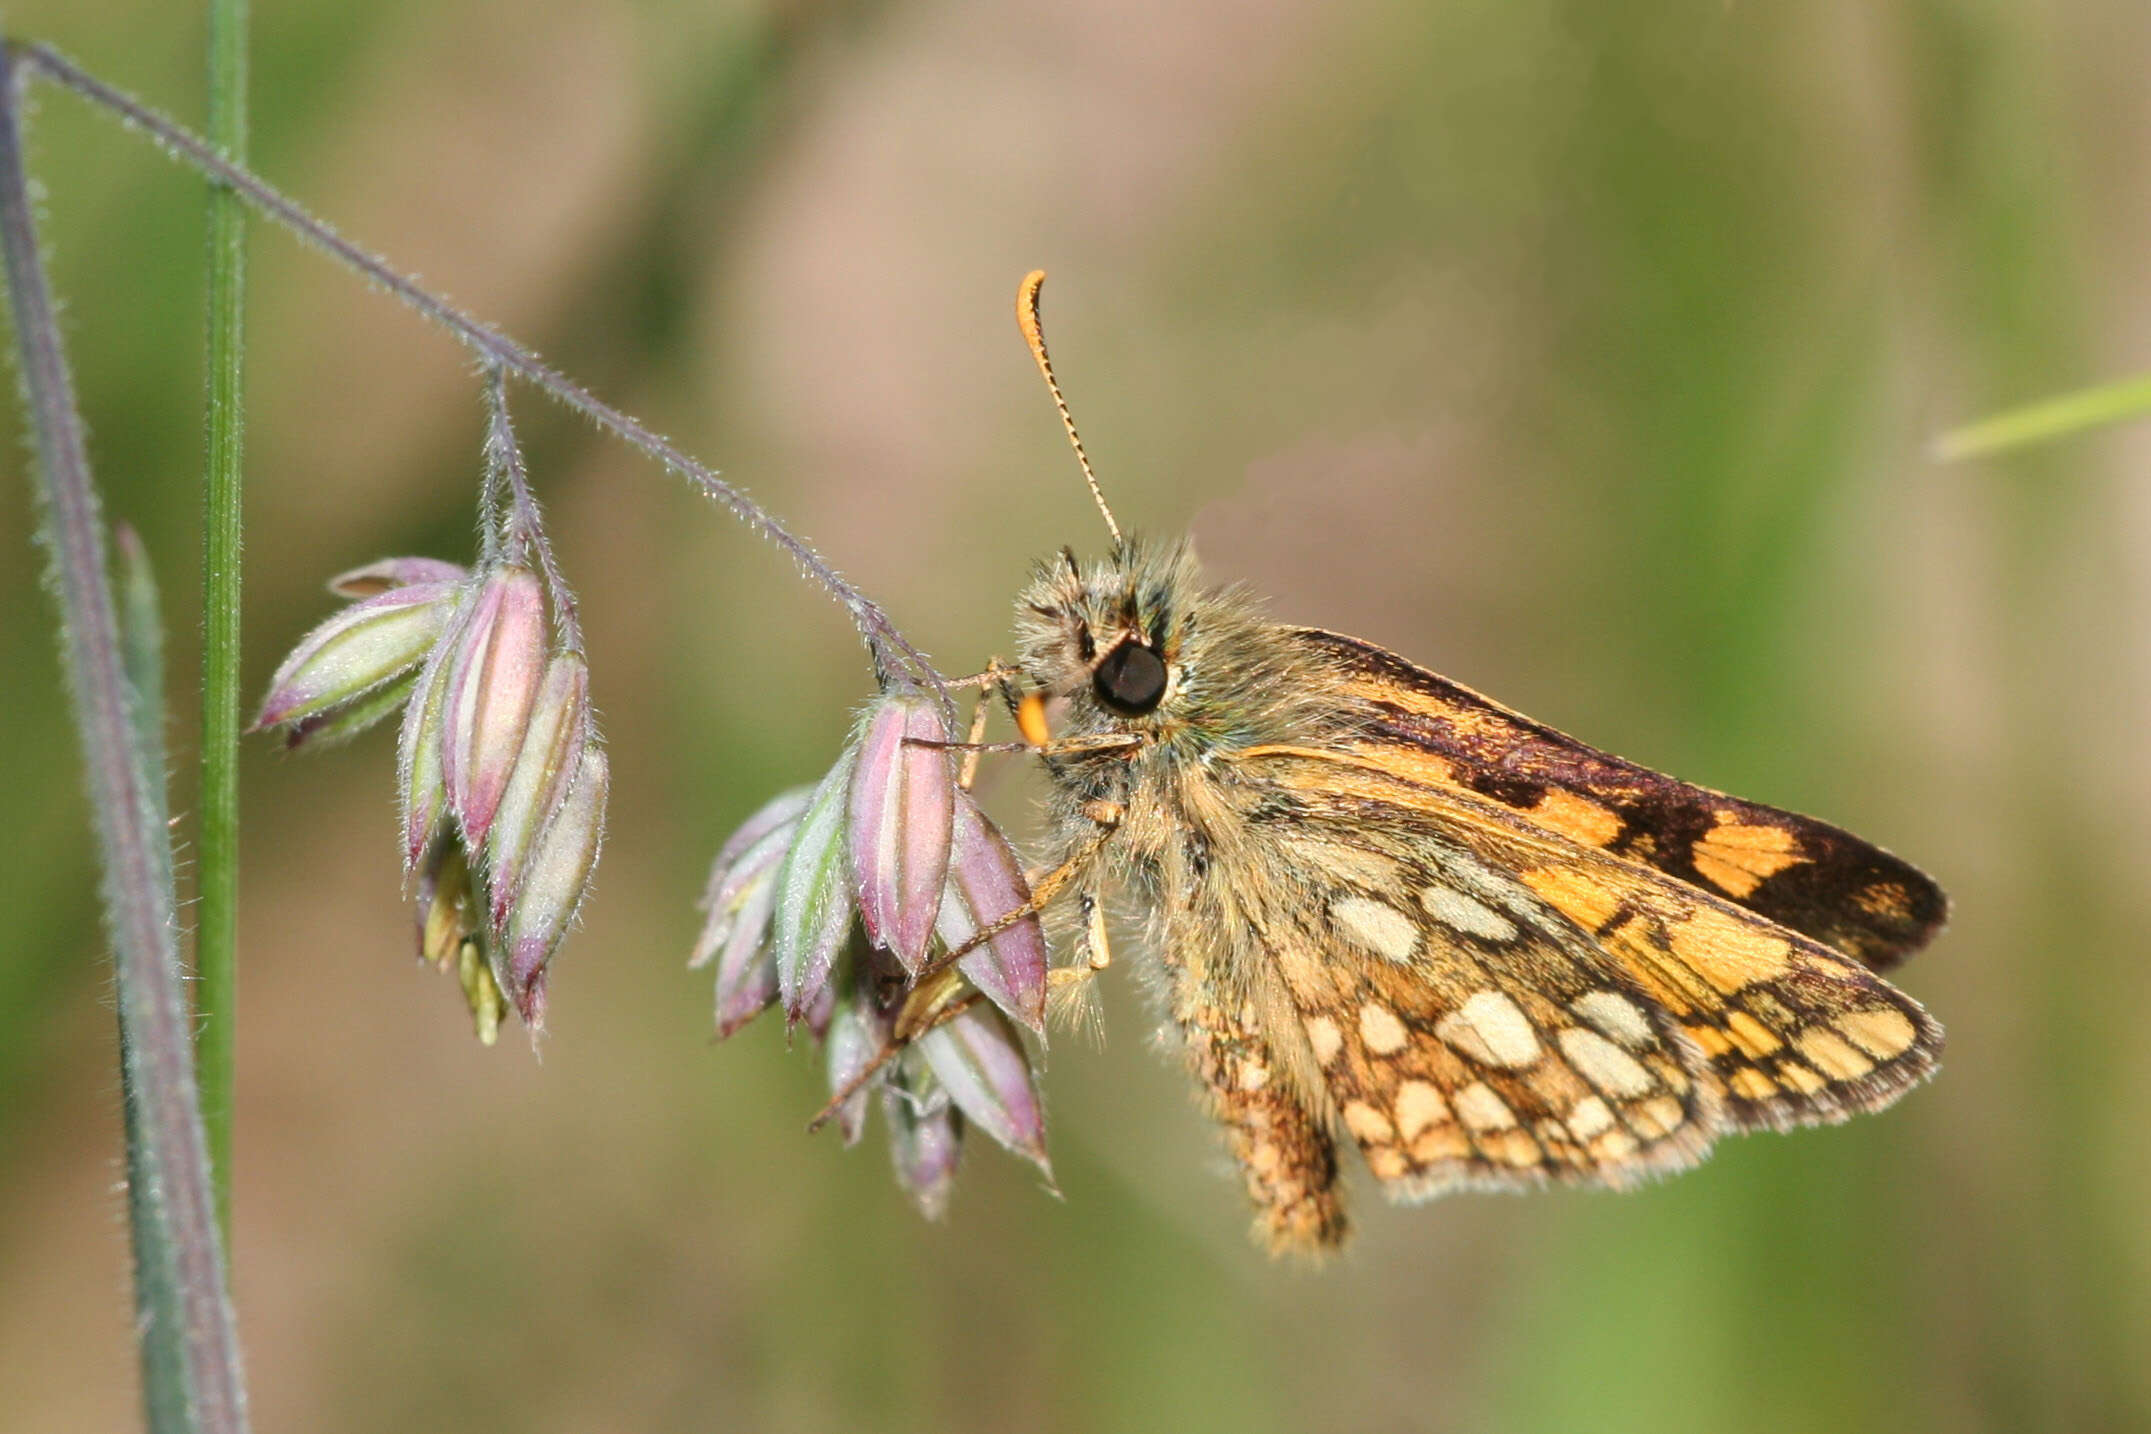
(1389,913)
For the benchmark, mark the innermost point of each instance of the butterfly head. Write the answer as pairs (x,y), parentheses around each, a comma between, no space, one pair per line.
(1134,644)
(1111,639)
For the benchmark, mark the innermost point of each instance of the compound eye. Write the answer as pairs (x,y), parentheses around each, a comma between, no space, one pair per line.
(1131,680)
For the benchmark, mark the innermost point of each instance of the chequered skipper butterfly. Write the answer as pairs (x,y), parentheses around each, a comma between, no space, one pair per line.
(1391,911)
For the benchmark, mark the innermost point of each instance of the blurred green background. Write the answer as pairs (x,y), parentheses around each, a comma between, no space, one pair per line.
(1585,353)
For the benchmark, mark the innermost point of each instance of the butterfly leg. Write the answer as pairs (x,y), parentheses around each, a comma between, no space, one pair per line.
(1097,950)
(1044,891)
(937,992)
(1057,747)
(996,678)
(1072,990)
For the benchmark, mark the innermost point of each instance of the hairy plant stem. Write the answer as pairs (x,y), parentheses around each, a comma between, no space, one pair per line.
(163,1352)
(216,915)
(178,1253)
(890,649)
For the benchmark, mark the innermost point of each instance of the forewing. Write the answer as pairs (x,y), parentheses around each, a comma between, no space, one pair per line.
(1794,1032)
(1815,878)
(1467,1034)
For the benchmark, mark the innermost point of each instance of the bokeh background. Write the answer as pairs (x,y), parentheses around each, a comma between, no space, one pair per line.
(1588,354)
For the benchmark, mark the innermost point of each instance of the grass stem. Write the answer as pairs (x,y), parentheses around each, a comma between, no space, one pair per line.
(216,926)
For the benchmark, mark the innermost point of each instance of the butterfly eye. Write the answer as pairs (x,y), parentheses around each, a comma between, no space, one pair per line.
(1131,680)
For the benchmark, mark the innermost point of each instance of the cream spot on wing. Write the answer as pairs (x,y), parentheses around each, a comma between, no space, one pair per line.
(1380,1030)
(1368,1125)
(1474,878)
(1343,865)
(1832,1056)
(1491,1029)
(1419,1105)
(1616,1016)
(1254,1075)
(1613,1145)
(1458,912)
(1325,1038)
(1378,926)
(1441,1142)
(1880,1031)
(1388,1163)
(1661,1115)
(1605,1064)
(1511,1147)
(1481,1109)
(1590,1118)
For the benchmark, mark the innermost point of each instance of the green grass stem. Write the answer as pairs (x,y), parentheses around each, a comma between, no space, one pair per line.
(216,949)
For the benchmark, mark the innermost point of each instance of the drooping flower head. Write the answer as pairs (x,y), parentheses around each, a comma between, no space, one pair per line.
(502,779)
(846,900)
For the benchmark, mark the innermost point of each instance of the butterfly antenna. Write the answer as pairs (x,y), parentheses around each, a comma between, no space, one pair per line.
(1034,334)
